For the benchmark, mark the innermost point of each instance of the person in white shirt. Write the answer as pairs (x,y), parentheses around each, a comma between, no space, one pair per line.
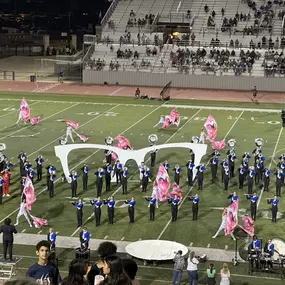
(69,131)
(202,136)
(23,212)
(192,268)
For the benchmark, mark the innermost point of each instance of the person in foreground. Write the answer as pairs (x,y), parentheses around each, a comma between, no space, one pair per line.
(131,269)
(211,275)
(225,275)
(8,238)
(43,271)
(192,268)
(76,272)
(179,264)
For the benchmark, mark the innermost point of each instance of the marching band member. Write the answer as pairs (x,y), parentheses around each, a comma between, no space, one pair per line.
(233,196)
(241,176)
(74,177)
(22,158)
(201,168)
(131,209)
(142,168)
(256,245)
(79,212)
(192,156)
(99,181)
(266,178)
(108,156)
(108,173)
(174,207)
(97,210)
(6,177)
(125,180)
(152,202)
(214,167)
(223,225)
(274,208)
(31,174)
(51,237)
(153,156)
(279,175)
(39,162)
(202,136)
(27,167)
(281,165)
(251,174)
(48,175)
(190,166)
(84,238)
(166,165)
(2,182)
(23,212)
(226,178)
(269,248)
(111,209)
(155,192)
(145,179)
(256,152)
(51,181)
(118,168)
(195,206)
(224,164)
(85,169)
(259,168)
(231,158)
(177,171)
(253,204)
(69,131)
(215,153)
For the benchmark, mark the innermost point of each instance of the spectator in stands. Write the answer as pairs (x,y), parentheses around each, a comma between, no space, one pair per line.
(132,13)
(223,12)
(188,15)
(206,8)
(76,272)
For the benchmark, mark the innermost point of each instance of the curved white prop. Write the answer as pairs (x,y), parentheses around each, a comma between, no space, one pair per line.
(62,151)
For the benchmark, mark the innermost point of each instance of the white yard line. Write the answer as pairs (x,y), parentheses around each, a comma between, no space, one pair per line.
(116,91)
(186,196)
(270,164)
(41,120)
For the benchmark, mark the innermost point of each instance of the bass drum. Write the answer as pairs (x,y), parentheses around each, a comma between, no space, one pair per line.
(279,246)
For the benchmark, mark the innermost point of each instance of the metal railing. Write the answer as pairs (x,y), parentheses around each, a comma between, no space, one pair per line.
(72,58)
(109,12)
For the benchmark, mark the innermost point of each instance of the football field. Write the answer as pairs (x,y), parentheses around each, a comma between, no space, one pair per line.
(100,117)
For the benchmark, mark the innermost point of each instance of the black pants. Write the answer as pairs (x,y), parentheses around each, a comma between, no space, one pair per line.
(99,184)
(79,218)
(7,246)
(241,181)
(176,178)
(85,181)
(253,210)
(152,212)
(214,173)
(226,182)
(200,183)
(195,210)
(232,170)
(278,188)
(249,186)
(190,177)
(124,184)
(152,159)
(257,177)
(174,212)
(73,189)
(39,173)
(266,183)
(51,189)
(118,177)
(97,212)
(144,183)
(108,181)
(48,185)
(274,211)
(111,213)
(131,211)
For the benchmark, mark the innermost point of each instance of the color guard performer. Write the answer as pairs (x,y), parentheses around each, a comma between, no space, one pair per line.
(202,136)
(281,166)
(145,179)
(108,174)
(251,174)
(99,181)
(85,170)
(214,168)
(111,209)
(177,171)
(253,204)
(174,207)
(97,204)
(39,162)
(69,131)
(125,180)
(23,212)
(195,206)
(279,175)
(266,179)
(241,176)
(274,208)
(161,121)
(190,166)
(226,178)
(131,209)
(6,174)
(152,202)
(74,177)
(200,175)
(108,156)
(79,212)
(118,168)
(254,94)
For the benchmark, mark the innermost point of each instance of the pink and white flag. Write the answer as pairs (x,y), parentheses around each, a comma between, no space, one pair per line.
(248,225)
(38,222)
(232,218)
(163,183)
(172,119)
(29,192)
(211,127)
(176,191)
(35,120)
(123,143)
(73,124)
(25,113)
(218,145)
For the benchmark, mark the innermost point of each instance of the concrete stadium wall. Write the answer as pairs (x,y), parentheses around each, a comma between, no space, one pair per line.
(224,82)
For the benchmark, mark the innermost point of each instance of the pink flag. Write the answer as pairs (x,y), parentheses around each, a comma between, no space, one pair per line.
(218,145)
(73,124)
(176,191)
(24,110)
(29,193)
(83,138)
(211,127)
(232,218)
(123,143)
(163,183)
(39,222)
(35,120)
(248,225)
(114,156)
(172,119)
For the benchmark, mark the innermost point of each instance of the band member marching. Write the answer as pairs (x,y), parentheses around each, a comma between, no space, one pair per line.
(200,175)
(39,162)
(253,204)
(23,212)
(190,166)
(266,179)
(31,174)
(108,156)
(99,181)
(153,155)
(192,156)
(279,175)
(51,181)
(125,180)
(195,206)
(281,166)
(97,204)
(233,196)
(274,208)
(22,183)
(118,168)
(155,192)
(74,177)
(226,178)
(223,164)
(232,158)
(174,207)
(214,168)
(166,165)
(131,209)
(145,179)
(108,174)
(251,174)
(69,131)
(259,169)
(202,136)
(79,212)
(152,202)
(48,169)
(241,176)
(85,170)
(177,171)
(111,209)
